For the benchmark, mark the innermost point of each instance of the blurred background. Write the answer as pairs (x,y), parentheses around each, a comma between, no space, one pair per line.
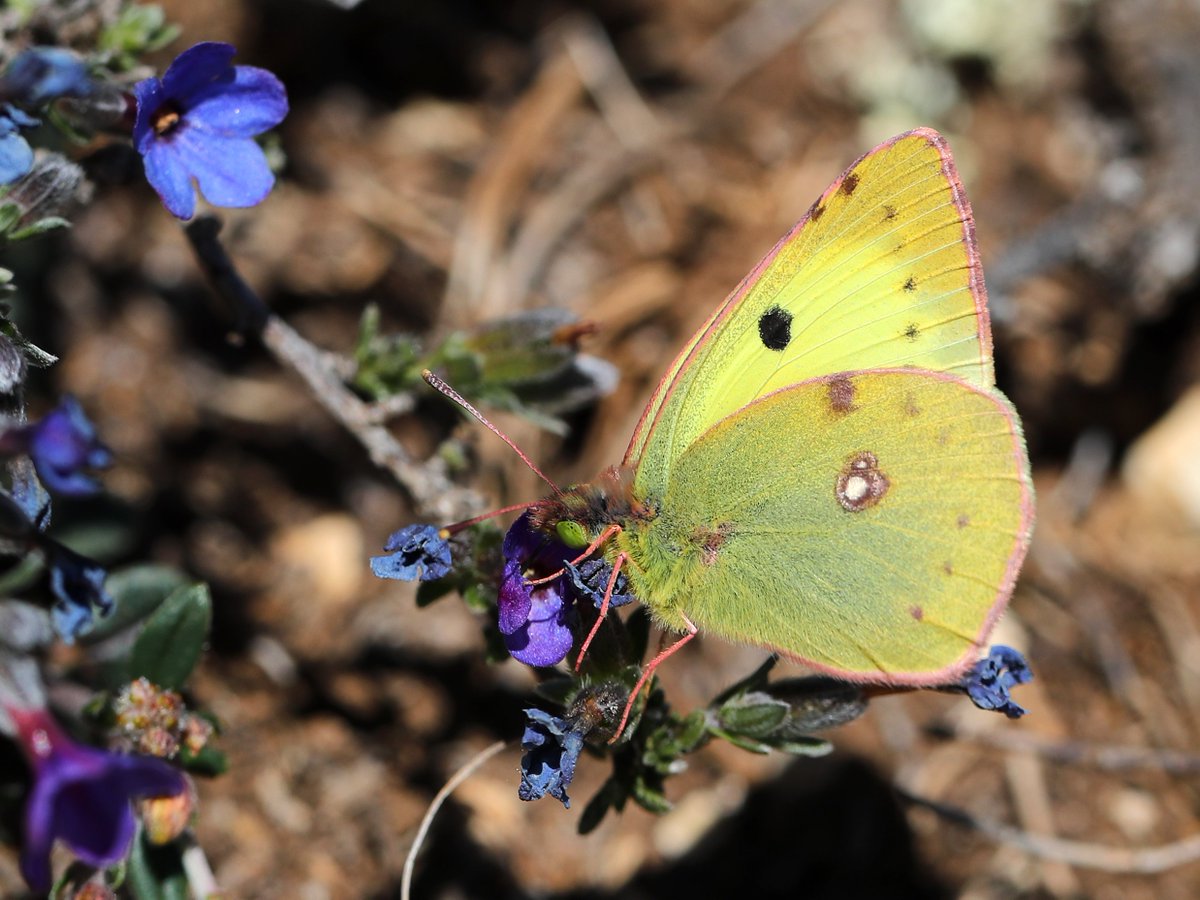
(630,161)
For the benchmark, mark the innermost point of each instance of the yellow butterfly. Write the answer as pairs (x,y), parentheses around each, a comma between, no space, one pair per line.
(827,468)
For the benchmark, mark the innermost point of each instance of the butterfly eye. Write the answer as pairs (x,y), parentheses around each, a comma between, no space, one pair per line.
(571,533)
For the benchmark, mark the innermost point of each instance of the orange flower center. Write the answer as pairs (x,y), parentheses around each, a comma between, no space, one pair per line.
(165,119)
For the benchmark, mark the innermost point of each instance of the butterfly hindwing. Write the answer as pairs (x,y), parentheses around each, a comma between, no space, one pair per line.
(873,525)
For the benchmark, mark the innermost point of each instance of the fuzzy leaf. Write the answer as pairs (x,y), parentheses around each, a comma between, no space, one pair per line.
(170,644)
(138,592)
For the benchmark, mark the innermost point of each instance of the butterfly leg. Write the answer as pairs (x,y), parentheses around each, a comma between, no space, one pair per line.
(591,548)
(608,592)
(648,671)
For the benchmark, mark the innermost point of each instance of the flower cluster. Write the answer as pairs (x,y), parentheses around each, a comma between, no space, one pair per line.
(194,128)
(537,620)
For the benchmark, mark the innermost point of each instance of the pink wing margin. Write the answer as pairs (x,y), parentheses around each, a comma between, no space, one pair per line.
(658,400)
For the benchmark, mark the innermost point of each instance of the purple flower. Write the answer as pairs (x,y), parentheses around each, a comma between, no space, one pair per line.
(64,443)
(536,621)
(78,585)
(198,122)
(81,795)
(989,683)
(16,156)
(589,580)
(552,748)
(417,553)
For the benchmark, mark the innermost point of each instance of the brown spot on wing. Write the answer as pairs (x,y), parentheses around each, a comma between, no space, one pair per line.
(860,485)
(711,540)
(912,331)
(910,284)
(816,211)
(916,612)
(841,395)
(849,184)
(963,520)
(889,211)
(948,567)
(910,406)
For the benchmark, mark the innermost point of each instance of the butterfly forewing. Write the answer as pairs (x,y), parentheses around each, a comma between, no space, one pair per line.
(882,272)
(871,524)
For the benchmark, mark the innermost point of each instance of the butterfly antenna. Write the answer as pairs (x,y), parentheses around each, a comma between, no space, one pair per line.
(441,387)
(448,530)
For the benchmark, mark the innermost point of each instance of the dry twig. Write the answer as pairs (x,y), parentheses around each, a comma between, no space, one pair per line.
(432,492)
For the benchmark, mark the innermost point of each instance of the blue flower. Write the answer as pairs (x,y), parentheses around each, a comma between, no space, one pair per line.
(552,748)
(417,553)
(78,585)
(41,74)
(536,621)
(989,683)
(81,795)
(198,122)
(590,580)
(16,156)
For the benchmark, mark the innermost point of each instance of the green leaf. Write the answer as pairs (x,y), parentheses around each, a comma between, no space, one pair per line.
(209,762)
(156,873)
(172,640)
(692,731)
(649,798)
(41,226)
(610,796)
(138,592)
(738,741)
(754,716)
(479,598)
(9,214)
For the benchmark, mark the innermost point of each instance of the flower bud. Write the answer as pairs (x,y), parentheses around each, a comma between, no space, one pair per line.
(53,187)
(165,818)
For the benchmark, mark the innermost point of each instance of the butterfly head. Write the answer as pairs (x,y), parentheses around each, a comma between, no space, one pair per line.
(580,513)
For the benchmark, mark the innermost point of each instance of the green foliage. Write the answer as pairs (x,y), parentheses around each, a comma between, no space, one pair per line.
(156,873)
(209,762)
(527,364)
(138,29)
(138,591)
(173,638)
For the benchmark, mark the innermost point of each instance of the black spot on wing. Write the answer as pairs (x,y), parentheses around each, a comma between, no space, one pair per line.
(775,328)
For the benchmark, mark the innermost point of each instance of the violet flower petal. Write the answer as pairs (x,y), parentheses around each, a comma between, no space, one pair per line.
(252,102)
(196,68)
